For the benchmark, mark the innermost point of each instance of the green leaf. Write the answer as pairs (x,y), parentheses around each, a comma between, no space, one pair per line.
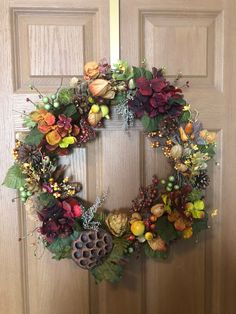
(29,123)
(181,101)
(14,178)
(138,72)
(209,149)
(46,199)
(166,230)
(151,124)
(62,247)
(155,254)
(185,117)
(34,137)
(111,269)
(101,217)
(70,110)
(148,75)
(200,224)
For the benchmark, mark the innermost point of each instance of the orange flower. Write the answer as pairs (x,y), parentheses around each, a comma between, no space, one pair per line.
(91,70)
(53,137)
(45,120)
(102,88)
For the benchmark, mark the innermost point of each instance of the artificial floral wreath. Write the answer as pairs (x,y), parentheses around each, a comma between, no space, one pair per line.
(163,212)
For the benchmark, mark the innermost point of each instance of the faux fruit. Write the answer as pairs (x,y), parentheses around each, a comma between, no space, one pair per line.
(105,111)
(95,108)
(138,228)
(153,218)
(148,236)
(157,244)
(135,217)
(158,210)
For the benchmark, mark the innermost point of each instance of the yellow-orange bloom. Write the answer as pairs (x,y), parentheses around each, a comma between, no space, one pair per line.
(91,70)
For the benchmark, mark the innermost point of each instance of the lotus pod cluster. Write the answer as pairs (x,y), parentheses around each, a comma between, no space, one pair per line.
(91,247)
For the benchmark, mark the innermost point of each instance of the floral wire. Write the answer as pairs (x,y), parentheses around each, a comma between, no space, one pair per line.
(58,89)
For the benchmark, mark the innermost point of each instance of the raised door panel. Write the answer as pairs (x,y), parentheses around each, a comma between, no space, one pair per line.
(43,41)
(186,38)
(52,43)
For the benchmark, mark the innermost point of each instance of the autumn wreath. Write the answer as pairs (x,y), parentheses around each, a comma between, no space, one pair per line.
(163,212)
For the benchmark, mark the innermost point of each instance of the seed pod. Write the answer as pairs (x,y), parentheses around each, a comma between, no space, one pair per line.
(188,128)
(176,151)
(135,217)
(94,118)
(157,244)
(181,167)
(158,210)
(183,135)
(91,247)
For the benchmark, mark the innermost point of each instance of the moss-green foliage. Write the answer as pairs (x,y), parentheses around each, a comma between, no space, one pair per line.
(111,269)
(65,96)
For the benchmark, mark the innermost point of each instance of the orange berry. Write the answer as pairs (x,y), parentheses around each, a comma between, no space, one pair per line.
(153,218)
(152,227)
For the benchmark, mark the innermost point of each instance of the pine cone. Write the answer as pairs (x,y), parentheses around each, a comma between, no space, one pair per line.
(202,181)
(29,154)
(91,247)
(82,104)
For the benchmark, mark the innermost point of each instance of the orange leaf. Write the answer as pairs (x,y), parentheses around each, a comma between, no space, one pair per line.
(53,137)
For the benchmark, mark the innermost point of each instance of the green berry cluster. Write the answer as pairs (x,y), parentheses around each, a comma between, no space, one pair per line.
(50,101)
(170,184)
(24,194)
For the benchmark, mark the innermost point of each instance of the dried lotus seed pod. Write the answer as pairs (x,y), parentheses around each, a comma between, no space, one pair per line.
(91,247)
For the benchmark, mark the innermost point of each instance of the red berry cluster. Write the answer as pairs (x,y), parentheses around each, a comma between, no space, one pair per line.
(146,197)
(87,132)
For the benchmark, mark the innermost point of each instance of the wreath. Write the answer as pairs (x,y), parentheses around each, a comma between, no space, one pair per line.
(163,212)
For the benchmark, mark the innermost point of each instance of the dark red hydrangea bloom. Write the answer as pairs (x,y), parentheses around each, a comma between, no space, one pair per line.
(72,208)
(156,97)
(56,222)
